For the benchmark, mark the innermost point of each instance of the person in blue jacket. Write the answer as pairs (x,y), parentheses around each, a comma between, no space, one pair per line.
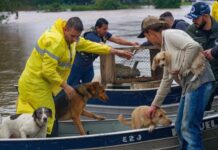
(82,70)
(174,23)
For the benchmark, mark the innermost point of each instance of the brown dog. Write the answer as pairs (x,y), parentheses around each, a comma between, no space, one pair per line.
(75,107)
(139,119)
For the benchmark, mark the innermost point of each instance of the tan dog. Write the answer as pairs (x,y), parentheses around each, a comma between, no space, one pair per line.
(140,119)
(72,108)
(163,59)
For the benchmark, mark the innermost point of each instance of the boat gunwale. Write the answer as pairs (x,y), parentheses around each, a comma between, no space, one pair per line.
(141,89)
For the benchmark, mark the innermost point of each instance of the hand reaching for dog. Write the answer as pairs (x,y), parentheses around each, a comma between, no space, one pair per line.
(68,90)
(151,111)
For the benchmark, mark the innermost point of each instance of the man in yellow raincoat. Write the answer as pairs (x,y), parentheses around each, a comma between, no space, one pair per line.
(49,65)
(215,10)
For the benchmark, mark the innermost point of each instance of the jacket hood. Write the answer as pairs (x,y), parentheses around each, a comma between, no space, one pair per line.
(59,25)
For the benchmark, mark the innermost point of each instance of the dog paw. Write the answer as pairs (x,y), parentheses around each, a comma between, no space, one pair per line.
(151,128)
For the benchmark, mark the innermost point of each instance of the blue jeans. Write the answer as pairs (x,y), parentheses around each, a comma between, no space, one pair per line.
(81,74)
(190,115)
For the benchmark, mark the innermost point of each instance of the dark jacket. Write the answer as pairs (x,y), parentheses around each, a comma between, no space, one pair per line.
(214,52)
(180,24)
(208,40)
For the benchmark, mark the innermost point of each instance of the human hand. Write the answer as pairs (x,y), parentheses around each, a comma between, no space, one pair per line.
(151,111)
(122,53)
(207,54)
(68,90)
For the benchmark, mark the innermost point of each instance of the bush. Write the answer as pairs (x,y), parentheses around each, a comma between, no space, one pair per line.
(54,7)
(107,4)
(167,3)
(83,7)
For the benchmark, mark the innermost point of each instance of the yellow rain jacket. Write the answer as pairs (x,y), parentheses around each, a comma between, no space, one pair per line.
(48,67)
(215,10)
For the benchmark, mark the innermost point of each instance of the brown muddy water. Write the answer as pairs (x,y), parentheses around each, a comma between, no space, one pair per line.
(18,37)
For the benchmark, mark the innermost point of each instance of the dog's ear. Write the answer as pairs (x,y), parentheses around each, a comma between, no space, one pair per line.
(154,64)
(96,85)
(49,112)
(167,58)
(93,87)
(35,114)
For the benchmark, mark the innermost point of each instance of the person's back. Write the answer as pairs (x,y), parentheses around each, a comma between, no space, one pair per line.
(215,10)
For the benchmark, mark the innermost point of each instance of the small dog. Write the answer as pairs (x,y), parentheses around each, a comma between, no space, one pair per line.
(163,59)
(26,125)
(72,108)
(139,119)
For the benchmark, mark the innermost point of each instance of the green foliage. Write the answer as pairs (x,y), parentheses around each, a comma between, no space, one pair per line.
(61,5)
(143,2)
(83,7)
(108,4)
(167,3)
(54,7)
(103,5)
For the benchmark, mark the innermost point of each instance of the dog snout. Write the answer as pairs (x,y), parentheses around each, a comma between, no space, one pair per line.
(162,65)
(45,119)
(168,121)
(104,97)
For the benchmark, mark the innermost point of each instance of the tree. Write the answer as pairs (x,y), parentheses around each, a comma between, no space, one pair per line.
(167,3)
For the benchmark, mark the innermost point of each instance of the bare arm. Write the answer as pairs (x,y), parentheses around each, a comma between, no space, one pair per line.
(122,41)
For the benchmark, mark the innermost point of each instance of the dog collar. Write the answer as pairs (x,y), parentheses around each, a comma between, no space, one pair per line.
(85,99)
(82,95)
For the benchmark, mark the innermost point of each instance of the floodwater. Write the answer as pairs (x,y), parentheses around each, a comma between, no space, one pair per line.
(18,37)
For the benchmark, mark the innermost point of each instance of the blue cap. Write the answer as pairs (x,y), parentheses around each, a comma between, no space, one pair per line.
(198,9)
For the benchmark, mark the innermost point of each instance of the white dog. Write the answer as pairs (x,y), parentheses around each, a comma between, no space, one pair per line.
(163,59)
(26,125)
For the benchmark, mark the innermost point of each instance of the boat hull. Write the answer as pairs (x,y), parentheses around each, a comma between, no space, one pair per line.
(137,97)
(122,138)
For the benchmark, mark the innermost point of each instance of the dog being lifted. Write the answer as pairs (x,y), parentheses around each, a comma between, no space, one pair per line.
(163,59)
(72,108)
(140,119)
(26,125)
